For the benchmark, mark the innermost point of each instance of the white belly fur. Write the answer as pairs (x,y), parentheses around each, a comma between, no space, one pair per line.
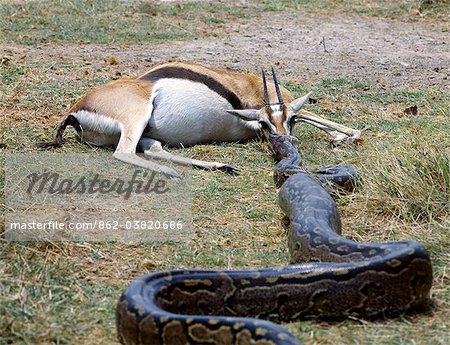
(188,113)
(98,130)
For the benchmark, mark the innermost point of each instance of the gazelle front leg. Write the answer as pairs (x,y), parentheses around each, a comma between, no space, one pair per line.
(153,149)
(337,136)
(336,130)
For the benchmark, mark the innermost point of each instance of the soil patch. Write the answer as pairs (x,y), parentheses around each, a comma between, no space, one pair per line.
(305,47)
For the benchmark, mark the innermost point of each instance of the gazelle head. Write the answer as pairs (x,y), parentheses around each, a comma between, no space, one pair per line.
(274,118)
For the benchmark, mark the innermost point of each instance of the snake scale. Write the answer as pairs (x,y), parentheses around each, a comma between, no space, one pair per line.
(329,277)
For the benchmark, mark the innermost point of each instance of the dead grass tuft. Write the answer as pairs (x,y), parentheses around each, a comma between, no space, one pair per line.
(411,184)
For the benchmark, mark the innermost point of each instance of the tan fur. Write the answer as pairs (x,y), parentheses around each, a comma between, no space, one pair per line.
(122,99)
(125,99)
(125,104)
(247,86)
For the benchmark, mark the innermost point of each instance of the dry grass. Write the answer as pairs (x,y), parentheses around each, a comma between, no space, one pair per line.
(57,292)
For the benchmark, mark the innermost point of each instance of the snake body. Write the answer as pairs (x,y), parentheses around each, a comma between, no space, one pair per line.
(231,307)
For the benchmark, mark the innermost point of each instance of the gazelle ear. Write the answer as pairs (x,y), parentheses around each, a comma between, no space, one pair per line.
(298,103)
(246,114)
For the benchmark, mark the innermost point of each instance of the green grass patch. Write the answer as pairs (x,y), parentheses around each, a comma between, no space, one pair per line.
(113,21)
(404,9)
(105,21)
(404,165)
(406,168)
(36,292)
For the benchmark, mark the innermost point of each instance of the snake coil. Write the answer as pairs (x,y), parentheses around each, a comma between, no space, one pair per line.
(330,276)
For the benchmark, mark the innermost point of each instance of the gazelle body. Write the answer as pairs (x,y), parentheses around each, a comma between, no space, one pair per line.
(183,104)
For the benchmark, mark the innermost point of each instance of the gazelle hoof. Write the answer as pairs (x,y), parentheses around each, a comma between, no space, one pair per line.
(171,173)
(230,169)
(345,141)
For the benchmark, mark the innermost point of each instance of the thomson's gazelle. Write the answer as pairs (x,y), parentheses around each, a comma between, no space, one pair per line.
(182,104)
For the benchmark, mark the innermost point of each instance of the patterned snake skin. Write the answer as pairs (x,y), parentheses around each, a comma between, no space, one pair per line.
(230,307)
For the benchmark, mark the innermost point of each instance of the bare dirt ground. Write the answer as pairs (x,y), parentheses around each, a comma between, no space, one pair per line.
(391,53)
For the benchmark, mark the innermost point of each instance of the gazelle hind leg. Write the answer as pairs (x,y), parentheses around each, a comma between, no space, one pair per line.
(126,152)
(153,149)
(349,134)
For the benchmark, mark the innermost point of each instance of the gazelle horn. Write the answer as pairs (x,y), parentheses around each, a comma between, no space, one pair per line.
(277,87)
(266,93)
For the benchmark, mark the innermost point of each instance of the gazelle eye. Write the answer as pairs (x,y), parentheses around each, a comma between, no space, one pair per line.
(292,120)
(264,126)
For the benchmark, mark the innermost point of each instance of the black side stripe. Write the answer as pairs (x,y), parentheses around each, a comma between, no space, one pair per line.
(184,73)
